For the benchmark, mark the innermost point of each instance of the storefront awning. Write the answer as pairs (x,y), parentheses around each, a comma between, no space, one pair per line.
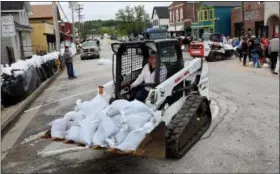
(20,27)
(178,28)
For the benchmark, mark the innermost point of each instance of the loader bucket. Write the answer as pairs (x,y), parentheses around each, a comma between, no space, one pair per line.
(153,146)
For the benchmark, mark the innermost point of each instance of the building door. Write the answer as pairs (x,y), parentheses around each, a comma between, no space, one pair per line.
(238,29)
(259,29)
(201,31)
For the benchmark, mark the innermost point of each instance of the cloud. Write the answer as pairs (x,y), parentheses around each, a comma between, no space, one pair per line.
(103,10)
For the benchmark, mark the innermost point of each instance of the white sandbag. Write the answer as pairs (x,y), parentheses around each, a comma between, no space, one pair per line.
(121,135)
(93,106)
(88,128)
(132,141)
(116,106)
(136,107)
(104,62)
(136,121)
(58,128)
(107,128)
(111,142)
(148,127)
(73,133)
(70,115)
(120,119)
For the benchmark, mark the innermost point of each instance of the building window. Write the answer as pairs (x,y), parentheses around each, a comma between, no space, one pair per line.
(211,30)
(205,15)
(181,14)
(170,17)
(211,14)
(177,15)
(174,17)
(201,15)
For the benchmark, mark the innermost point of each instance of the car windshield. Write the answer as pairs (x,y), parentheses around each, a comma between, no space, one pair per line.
(89,44)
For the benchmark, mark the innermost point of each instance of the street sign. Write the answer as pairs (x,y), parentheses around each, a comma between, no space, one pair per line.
(8,26)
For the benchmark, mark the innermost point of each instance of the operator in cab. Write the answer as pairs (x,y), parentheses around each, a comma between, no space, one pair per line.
(148,76)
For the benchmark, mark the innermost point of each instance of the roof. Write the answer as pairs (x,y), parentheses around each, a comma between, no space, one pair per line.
(12,5)
(162,12)
(222,4)
(19,26)
(43,11)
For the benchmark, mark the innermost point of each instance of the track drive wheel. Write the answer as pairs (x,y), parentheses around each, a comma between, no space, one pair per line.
(187,126)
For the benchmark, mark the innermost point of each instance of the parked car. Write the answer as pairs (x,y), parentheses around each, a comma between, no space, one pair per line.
(89,50)
(113,37)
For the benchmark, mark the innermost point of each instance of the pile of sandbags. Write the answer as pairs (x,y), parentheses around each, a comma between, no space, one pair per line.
(25,76)
(122,125)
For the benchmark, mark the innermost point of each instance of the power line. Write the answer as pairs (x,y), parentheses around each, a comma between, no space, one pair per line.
(63,12)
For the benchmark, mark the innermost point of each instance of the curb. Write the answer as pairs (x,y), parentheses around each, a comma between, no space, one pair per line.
(26,102)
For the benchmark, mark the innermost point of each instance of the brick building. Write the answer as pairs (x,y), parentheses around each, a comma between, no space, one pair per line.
(181,15)
(253,19)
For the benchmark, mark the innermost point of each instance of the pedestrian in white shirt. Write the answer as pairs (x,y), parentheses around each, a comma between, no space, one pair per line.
(148,76)
(274,52)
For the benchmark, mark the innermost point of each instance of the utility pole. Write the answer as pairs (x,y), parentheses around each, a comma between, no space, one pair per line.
(56,29)
(243,20)
(79,9)
(72,5)
(175,21)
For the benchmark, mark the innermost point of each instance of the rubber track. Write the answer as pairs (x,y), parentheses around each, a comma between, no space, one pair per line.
(178,124)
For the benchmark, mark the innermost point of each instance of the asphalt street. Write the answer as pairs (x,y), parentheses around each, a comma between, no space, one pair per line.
(243,137)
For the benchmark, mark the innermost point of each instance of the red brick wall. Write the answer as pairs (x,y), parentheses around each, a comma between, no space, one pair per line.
(253,12)
(187,9)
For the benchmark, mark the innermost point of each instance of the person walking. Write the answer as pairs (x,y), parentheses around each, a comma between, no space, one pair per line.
(244,50)
(274,52)
(256,52)
(69,62)
(185,43)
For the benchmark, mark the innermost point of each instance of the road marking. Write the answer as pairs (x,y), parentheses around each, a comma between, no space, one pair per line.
(33,137)
(216,109)
(59,151)
(78,81)
(39,106)
(93,70)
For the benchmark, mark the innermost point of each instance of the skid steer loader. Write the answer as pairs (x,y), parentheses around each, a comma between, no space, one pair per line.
(180,103)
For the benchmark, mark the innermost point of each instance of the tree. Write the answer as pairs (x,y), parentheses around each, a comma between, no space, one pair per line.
(133,19)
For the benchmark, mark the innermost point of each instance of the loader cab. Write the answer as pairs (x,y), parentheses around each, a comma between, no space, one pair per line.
(131,57)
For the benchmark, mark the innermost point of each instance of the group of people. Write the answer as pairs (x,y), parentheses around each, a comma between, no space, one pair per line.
(257,50)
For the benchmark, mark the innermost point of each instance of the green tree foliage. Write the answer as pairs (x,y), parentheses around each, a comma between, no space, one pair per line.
(129,19)
(133,19)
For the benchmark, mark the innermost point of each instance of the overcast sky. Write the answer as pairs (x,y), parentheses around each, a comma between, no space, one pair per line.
(103,10)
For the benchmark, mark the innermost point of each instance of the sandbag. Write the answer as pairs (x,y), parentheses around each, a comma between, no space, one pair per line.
(115,106)
(136,107)
(106,129)
(73,133)
(88,128)
(58,128)
(133,139)
(136,121)
(93,106)
(121,135)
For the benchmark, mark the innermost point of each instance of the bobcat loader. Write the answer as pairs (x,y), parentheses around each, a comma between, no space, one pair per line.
(180,103)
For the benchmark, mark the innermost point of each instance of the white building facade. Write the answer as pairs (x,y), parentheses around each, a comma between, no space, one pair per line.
(160,17)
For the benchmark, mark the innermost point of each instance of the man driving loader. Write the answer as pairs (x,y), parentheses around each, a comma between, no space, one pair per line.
(147,75)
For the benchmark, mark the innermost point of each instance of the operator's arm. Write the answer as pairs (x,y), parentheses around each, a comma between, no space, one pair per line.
(140,78)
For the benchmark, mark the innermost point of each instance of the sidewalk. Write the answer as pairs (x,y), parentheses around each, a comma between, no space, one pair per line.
(8,115)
